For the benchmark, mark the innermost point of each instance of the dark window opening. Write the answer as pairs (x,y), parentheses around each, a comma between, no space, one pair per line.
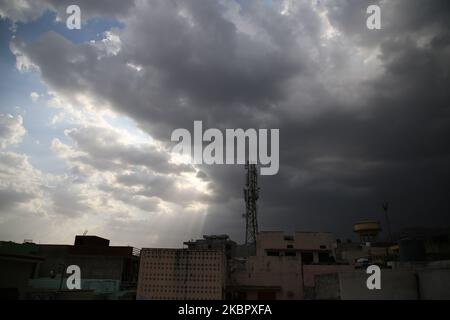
(307,257)
(324,257)
(289,254)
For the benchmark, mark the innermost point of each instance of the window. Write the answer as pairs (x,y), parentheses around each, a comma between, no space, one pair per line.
(324,257)
(273,253)
(307,257)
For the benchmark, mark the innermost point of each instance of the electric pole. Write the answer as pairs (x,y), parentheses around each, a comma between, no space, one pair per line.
(385,207)
(251,195)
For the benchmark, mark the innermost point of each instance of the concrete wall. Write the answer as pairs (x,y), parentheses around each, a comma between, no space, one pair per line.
(395,285)
(98,267)
(272,240)
(327,287)
(306,241)
(324,283)
(434,284)
(404,284)
(314,241)
(55,258)
(311,271)
(270,272)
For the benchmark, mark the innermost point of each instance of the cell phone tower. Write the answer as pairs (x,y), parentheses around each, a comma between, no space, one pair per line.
(251,195)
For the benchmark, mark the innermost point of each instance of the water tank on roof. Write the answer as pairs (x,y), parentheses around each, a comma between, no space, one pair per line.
(367,230)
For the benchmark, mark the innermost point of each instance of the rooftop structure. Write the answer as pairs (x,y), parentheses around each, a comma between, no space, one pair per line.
(367,230)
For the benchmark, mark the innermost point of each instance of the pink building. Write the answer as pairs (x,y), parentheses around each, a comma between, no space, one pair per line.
(284,267)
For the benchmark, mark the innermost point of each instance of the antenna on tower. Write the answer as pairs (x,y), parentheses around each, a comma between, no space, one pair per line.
(251,195)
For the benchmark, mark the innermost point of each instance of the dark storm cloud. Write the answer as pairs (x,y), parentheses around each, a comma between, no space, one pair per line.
(399,17)
(182,63)
(352,133)
(396,149)
(338,167)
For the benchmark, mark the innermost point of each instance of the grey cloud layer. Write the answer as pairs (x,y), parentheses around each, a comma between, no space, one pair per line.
(363,116)
(29,10)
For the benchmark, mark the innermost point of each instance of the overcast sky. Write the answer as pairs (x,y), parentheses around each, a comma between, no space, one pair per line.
(86,116)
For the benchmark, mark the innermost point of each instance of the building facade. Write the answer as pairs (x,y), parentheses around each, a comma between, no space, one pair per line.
(283,267)
(181,274)
(38,271)
(19,263)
